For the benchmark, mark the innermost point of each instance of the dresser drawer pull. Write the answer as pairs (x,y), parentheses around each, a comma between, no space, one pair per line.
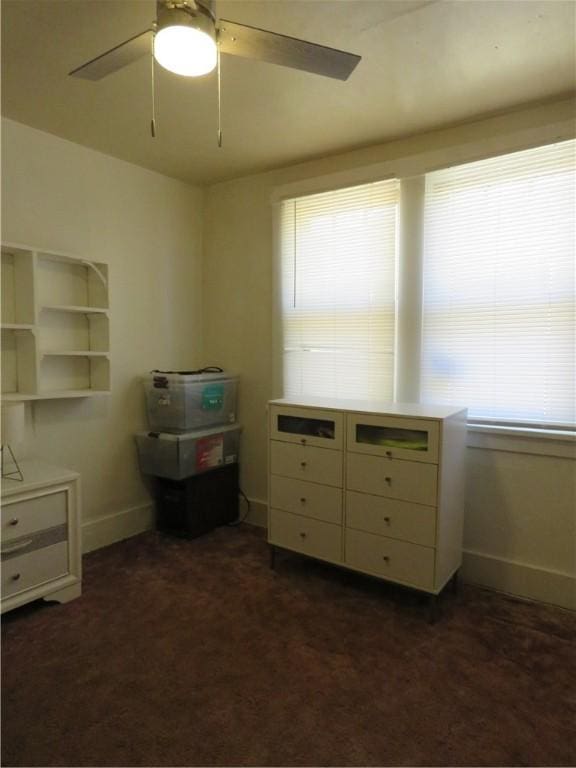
(386,558)
(388,480)
(7,549)
(389,454)
(302,535)
(14,521)
(303,441)
(387,520)
(303,500)
(15,577)
(303,464)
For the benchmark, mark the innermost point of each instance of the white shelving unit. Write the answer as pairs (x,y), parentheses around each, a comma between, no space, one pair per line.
(55,325)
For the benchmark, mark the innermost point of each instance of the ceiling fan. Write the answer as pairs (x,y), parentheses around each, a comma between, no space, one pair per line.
(187,39)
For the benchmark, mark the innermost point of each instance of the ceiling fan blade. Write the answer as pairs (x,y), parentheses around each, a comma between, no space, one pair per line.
(254,43)
(116,58)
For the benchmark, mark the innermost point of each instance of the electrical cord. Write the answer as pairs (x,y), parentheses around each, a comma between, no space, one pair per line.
(242,519)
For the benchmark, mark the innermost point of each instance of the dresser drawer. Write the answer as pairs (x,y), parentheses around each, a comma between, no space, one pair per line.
(304,462)
(307,426)
(28,515)
(404,480)
(394,437)
(320,502)
(34,568)
(302,534)
(391,559)
(403,520)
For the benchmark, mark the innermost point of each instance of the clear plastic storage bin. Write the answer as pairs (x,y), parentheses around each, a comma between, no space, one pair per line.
(177,457)
(178,402)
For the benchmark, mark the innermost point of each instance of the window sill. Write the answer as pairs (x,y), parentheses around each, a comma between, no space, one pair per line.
(543,442)
(537,432)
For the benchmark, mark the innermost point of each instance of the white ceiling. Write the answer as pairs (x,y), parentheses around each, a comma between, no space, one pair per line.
(425,64)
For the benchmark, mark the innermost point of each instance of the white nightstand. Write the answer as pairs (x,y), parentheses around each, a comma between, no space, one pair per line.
(40,551)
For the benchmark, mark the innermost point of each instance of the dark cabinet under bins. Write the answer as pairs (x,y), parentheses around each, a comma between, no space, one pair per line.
(197,504)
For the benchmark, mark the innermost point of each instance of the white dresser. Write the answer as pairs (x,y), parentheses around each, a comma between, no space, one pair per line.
(40,548)
(375,487)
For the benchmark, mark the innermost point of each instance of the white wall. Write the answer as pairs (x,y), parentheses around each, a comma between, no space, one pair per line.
(520,519)
(61,196)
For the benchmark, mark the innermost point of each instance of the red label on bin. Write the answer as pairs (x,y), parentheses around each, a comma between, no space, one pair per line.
(209,452)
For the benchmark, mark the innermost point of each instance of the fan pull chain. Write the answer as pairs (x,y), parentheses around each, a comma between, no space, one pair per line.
(219,100)
(153,86)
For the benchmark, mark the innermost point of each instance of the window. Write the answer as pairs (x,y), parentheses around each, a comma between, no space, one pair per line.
(338,262)
(499,292)
(492,329)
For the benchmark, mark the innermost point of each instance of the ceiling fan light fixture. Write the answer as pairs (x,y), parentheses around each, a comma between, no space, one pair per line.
(185,50)
(185,42)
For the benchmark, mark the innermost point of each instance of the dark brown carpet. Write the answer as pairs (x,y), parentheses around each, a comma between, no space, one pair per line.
(186,653)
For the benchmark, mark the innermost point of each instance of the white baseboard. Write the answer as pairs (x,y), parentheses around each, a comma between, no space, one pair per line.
(519,579)
(130,522)
(258,513)
(122,525)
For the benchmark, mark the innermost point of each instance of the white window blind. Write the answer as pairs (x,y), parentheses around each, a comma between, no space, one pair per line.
(499,287)
(338,263)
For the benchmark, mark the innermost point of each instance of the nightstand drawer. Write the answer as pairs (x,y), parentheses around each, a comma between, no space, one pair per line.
(320,502)
(34,568)
(316,465)
(394,437)
(37,513)
(395,519)
(391,559)
(392,478)
(324,429)
(301,534)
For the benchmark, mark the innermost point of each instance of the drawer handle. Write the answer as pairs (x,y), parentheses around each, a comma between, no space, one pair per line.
(303,441)
(388,480)
(303,500)
(303,464)
(386,558)
(15,577)
(14,521)
(389,454)
(302,535)
(387,520)
(15,547)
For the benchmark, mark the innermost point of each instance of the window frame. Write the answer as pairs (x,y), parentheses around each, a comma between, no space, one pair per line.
(411,173)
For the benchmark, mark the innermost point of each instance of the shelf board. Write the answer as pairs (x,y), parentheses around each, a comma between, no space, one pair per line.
(74,353)
(64,393)
(76,309)
(16,397)
(17,326)
(61,394)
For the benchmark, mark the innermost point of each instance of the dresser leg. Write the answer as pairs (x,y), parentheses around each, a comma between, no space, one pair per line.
(433,609)
(272,556)
(455,583)
(65,595)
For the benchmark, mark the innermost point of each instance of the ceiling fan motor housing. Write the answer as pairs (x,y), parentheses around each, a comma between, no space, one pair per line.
(196,13)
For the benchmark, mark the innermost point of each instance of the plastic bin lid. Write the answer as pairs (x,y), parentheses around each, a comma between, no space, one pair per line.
(192,435)
(189,376)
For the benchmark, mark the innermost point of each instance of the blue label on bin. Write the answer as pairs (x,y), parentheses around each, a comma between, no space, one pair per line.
(213,397)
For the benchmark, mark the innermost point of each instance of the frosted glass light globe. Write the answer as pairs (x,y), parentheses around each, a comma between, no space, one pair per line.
(185,50)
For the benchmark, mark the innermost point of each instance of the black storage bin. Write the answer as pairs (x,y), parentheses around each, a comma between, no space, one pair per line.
(197,504)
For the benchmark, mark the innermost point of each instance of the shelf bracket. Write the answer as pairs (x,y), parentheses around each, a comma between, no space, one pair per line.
(95,268)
